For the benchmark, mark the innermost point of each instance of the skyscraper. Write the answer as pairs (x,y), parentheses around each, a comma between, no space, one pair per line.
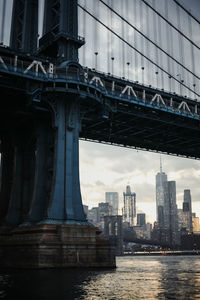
(161,178)
(170,212)
(167,219)
(195,224)
(141,219)
(113,199)
(187,210)
(129,209)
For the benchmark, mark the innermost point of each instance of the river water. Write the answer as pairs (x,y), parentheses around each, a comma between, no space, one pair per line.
(136,277)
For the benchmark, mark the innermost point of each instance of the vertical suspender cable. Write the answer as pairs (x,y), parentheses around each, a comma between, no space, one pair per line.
(108,50)
(147,12)
(112,38)
(123,36)
(171,52)
(160,53)
(169,46)
(3,21)
(112,58)
(95,38)
(127,28)
(181,51)
(135,42)
(192,52)
(188,12)
(131,46)
(84,33)
(156,41)
(142,42)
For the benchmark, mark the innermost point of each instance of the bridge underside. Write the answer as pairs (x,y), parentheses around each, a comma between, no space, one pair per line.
(147,129)
(42,117)
(130,126)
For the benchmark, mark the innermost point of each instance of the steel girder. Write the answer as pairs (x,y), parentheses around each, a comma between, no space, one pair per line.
(24,27)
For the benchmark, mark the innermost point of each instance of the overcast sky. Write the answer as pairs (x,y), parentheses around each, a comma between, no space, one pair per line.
(106,168)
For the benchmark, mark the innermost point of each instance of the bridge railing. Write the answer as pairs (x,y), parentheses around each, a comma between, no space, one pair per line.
(110,86)
(21,65)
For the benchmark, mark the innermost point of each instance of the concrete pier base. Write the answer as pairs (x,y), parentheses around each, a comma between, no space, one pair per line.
(54,246)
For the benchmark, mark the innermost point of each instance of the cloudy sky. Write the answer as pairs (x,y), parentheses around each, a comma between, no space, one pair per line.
(106,168)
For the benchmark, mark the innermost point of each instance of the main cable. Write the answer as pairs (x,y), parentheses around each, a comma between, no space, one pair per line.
(157,46)
(170,24)
(188,12)
(3,21)
(113,32)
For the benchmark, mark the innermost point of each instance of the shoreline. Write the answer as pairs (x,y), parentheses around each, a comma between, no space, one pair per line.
(163,253)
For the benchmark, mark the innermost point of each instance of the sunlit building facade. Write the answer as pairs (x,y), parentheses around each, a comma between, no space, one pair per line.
(113,199)
(195,224)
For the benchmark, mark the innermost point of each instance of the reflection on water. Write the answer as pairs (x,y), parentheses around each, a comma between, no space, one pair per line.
(148,278)
(171,277)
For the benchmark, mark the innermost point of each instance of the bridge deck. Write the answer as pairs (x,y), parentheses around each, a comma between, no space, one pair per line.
(115,111)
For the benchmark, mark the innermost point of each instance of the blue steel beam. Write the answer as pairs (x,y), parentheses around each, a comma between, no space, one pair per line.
(128,92)
(60,38)
(24,28)
(102,98)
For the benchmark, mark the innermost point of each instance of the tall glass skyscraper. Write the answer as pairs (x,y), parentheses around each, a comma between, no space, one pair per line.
(166,208)
(187,210)
(170,212)
(129,209)
(161,178)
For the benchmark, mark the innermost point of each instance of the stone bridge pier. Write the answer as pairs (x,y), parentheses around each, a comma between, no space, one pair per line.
(42,219)
(42,222)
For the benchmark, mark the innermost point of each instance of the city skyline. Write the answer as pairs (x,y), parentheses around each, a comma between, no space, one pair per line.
(106,168)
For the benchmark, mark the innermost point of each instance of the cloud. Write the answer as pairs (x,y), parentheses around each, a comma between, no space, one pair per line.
(106,168)
(99,183)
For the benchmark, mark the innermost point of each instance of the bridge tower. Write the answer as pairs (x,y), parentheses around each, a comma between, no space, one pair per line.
(41,201)
(24,29)
(60,42)
(60,31)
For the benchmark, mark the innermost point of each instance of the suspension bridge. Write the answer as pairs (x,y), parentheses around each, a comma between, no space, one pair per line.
(118,72)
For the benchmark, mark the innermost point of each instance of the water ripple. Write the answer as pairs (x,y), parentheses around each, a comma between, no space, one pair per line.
(134,278)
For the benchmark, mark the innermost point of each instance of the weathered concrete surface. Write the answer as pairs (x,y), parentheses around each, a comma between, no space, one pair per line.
(54,246)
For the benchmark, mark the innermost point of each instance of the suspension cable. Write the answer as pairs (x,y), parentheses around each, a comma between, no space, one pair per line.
(170,24)
(188,12)
(192,51)
(84,32)
(180,42)
(155,38)
(3,21)
(135,42)
(157,46)
(123,35)
(113,32)
(169,47)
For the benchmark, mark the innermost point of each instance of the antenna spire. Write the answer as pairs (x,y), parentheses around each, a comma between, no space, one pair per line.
(160,164)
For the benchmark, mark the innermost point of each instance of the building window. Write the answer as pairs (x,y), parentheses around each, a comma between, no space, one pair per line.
(110,228)
(116,228)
